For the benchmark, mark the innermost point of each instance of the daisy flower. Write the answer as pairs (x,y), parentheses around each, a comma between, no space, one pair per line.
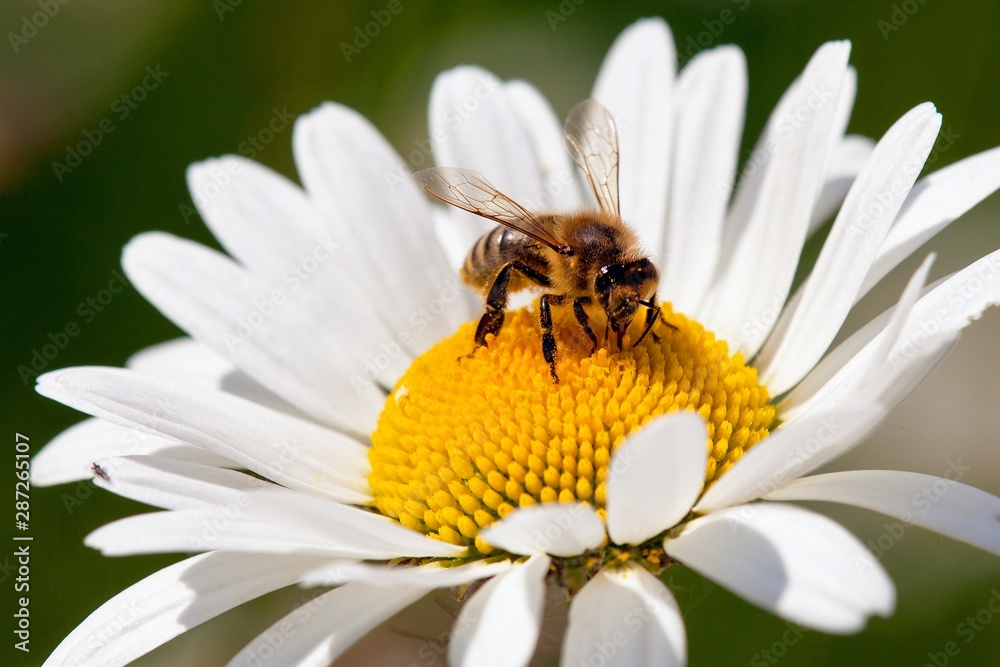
(325,425)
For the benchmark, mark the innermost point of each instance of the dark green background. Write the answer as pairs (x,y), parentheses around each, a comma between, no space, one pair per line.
(62,240)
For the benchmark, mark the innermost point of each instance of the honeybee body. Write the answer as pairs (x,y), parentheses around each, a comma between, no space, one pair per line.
(497,248)
(584,257)
(604,240)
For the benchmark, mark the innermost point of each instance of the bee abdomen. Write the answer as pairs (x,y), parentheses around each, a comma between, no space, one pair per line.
(490,252)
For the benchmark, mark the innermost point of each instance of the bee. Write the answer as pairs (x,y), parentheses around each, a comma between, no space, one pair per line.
(584,257)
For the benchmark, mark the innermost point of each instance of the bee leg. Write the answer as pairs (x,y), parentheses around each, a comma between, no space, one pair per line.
(496,300)
(581,317)
(653,312)
(489,323)
(665,321)
(548,340)
(496,304)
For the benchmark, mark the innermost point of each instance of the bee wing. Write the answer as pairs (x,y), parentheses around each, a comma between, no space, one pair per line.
(592,140)
(469,190)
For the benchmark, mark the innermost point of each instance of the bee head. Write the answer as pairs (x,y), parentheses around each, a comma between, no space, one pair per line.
(621,289)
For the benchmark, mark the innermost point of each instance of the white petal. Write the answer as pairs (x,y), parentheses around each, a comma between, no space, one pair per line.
(287,450)
(453,233)
(895,380)
(711,99)
(902,309)
(186,531)
(951,508)
(500,623)
(353,526)
(932,326)
(552,528)
(835,185)
(172,601)
(862,223)
(378,213)
(319,632)
(476,125)
(254,326)
(283,522)
(270,226)
(68,456)
(806,396)
(635,83)
(187,360)
(769,218)
(934,203)
(431,575)
(183,359)
(260,217)
(655,476)
(890,380)
(473,125)
(793,450)
(887,325)
(842,116)
(797,564)
(558,175)
(171,484)
(625,618)
(847,159)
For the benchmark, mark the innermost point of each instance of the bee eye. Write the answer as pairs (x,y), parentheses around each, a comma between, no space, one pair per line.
(603,283)
(644,270)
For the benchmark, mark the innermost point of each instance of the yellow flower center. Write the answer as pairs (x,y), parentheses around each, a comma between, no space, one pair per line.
(463,440)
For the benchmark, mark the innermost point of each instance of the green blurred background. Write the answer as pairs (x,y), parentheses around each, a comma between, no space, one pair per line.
(229,66)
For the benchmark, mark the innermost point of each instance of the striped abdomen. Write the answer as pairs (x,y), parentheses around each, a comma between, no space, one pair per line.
(494,250)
